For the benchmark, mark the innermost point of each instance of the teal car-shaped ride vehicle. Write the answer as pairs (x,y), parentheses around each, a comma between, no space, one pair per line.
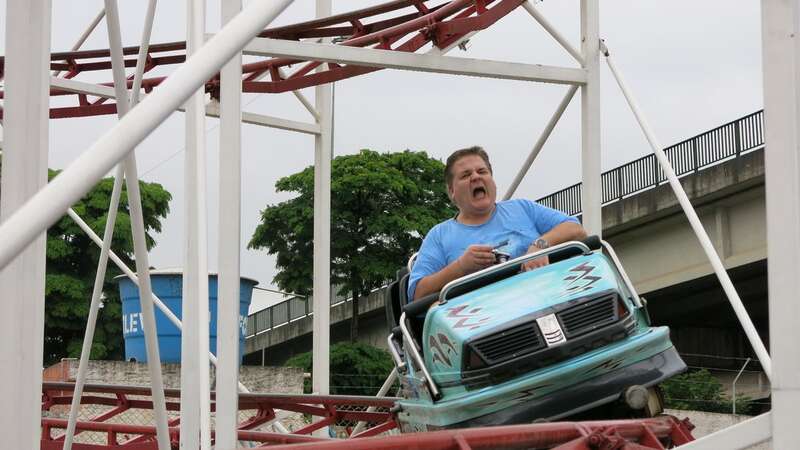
(502,346)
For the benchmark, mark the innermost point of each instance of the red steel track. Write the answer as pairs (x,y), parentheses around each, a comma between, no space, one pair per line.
(411,26)
(112,403)
(116,412)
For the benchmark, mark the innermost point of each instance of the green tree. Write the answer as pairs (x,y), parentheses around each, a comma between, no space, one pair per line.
(72,264)
(382,205)
(356,368)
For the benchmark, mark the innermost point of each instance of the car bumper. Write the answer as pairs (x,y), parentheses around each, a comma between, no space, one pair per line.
(557,391)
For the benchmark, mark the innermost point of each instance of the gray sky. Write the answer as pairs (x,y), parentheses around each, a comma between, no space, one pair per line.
(693,66)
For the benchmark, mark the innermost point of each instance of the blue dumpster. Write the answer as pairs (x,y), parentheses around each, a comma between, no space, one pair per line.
(168,286)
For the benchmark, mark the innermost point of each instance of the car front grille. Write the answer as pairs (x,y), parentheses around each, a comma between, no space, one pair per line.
(588,316)
(509,344)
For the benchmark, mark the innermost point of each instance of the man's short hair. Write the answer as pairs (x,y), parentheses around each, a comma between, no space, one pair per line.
(458,154)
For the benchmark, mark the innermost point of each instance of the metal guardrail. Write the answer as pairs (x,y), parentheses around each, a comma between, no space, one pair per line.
(725,142)
(282,313)
(289,310)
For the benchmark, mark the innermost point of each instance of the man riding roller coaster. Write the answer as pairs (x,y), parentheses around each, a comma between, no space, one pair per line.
(466,243)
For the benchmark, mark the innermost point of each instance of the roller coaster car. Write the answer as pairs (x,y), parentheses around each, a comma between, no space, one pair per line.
(501,346)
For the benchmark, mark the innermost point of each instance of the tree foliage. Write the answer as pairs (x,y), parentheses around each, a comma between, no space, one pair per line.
(382,205)
(356,368)
(72,264)
(699,390)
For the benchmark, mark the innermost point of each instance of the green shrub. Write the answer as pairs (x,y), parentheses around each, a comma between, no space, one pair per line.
(356,368)
(700,391)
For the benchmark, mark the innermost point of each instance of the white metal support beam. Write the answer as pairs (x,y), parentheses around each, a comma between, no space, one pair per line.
(24,172)
(781,65)
(323,154)
(429,62)
(212,108)
(195,400)
(230,211)
(591,191)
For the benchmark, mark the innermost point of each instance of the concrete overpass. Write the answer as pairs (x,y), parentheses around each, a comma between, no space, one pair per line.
(722,171)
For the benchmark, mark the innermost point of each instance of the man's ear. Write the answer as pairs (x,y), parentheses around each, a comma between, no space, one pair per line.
(450,192)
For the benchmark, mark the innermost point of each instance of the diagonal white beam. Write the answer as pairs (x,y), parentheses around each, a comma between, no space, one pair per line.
(537,147)
(86,33)
(694,221)
(132,276)
(102,264)
(94,307)
(212,108)
(536,14)
(411,61)
(139,235)
(300,97)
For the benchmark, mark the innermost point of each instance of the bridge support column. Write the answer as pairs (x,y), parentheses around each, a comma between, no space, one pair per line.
(781,56)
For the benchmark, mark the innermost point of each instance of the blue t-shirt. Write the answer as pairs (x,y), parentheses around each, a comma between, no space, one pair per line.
(518,221)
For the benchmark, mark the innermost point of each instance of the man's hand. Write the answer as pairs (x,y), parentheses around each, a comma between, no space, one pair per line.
(475,258)
(535,263)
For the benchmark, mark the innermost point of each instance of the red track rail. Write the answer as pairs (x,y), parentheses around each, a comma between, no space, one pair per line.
(116,401)
(114,407)
(415,24)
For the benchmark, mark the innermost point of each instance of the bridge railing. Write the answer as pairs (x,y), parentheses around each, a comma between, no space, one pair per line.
(725,142)
(291,309)
(280,313)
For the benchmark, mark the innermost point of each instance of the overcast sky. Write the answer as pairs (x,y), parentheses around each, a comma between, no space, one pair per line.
(692,64)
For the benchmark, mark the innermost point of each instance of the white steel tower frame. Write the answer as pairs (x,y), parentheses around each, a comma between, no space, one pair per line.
(29,205)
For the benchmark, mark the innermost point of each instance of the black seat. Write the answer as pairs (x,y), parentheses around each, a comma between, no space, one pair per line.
(396,297)
(397,302)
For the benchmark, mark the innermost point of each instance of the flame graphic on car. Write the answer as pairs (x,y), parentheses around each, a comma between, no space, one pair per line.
(580,279)
(442,347)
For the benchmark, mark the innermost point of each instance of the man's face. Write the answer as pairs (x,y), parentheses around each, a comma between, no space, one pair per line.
(473,189)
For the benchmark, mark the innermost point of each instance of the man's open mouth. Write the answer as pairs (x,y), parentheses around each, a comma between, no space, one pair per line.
(479,192)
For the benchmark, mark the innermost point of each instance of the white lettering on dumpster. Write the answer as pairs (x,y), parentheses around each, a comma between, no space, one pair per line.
(132,323)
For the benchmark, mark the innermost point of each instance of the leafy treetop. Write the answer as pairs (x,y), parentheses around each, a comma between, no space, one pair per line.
(382,206)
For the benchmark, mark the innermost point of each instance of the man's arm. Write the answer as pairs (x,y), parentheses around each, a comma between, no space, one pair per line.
(563,232)
(475,258)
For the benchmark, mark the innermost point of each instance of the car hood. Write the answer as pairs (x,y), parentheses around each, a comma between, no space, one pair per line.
(448,326)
